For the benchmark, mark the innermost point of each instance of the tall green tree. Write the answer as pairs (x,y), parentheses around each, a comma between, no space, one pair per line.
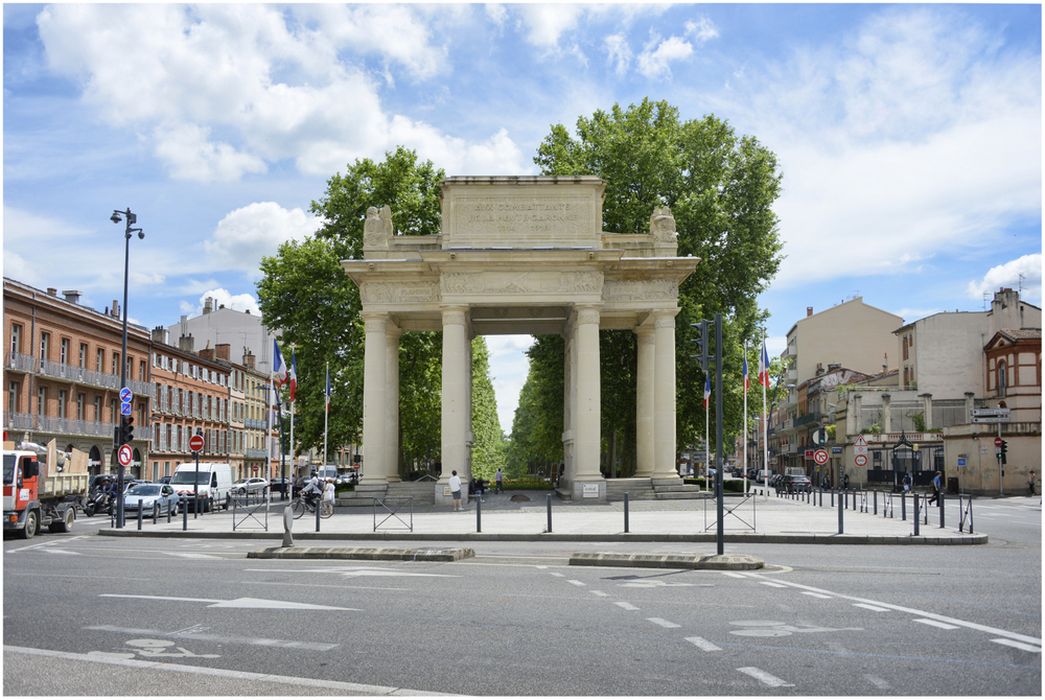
(721,188)
(487,438)
(538,423)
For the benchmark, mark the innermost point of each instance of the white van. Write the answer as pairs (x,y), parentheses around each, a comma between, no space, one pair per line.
(215,483)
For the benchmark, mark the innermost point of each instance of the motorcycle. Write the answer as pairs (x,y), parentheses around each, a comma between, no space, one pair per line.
(100,502)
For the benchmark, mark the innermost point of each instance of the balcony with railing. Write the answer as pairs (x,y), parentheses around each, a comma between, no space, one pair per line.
(80,375)
(18,421)
(19,362)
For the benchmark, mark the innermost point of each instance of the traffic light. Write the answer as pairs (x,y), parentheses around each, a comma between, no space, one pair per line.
(1004,451)
(702,341)
(127,430)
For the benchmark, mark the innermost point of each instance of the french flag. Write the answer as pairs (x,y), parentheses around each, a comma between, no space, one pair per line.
(279,367)
(747,378)
(327,407)
(763,367)
(293,378)
(707,390)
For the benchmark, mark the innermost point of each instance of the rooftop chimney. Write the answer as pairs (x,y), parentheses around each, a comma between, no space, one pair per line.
(114,310)
(248,359)
(222,351)
(159,335)
(809,311)
(72,295)
(207,354)
(185,342)
(208,305)
(52,291)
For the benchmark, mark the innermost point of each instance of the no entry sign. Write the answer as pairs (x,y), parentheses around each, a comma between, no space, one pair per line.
(196,443)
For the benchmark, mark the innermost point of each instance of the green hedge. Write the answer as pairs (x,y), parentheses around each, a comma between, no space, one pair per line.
(731,486)
(529,483)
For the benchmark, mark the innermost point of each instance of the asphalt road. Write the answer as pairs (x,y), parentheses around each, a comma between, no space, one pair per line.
(197,618)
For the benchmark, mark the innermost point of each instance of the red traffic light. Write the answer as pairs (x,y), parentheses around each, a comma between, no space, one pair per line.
(998,442)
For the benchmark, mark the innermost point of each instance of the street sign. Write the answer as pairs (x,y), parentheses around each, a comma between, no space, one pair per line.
(196,443)
(126,395)
(808,454)
(125,409)
(860,441)
(860,460)
(820,437)
(125,455)
(990,419)
(835,450)
(961,462)
(990,412)
(821,457)
(998,441)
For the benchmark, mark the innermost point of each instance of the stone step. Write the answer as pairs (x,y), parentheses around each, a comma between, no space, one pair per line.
(678,488)
(681,495)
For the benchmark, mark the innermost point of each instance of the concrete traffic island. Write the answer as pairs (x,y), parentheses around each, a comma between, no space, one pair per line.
(720,562)
(365,553)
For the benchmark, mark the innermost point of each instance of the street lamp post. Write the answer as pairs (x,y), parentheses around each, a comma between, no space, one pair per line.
(130,218)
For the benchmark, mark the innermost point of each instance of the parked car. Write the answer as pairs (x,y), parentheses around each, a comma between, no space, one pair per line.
(349,477)
(165,480)
(254,484)
(796,483)
(156,499)
(279,485)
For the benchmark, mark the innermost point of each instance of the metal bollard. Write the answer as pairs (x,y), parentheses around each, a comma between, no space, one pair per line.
(841,514)
(940,502)
(916,518)
(139,514)
(903,505)
(875,492)
(479,515)
(184,512)
(549,497)
(168,512)
(319,505)
(832,499)
(626,512)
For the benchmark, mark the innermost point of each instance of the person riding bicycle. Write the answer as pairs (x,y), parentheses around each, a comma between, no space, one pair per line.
(312,490)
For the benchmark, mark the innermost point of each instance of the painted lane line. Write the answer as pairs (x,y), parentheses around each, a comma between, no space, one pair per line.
(575,582)
(600,594)
(235,603)
(556,573)
(703,644)
(323,585)
(733,574)
(877,682)
(865,606)
(29,573)
(936,623)
(774,585)
(914,611)
(766,678)
(1018,645)
(817,595)
(346,688)
(663,623)
(192,633)
(626,606)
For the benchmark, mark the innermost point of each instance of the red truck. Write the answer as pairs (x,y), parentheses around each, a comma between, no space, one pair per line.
(42,487)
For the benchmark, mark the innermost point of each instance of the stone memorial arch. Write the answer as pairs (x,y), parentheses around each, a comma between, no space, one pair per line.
(521,255)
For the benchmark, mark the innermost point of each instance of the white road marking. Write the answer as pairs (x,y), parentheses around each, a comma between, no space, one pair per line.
(325,585)
(626,606)
(774,585)
(194,633)
(766,678)
(575,582)
(556,573)
(865,606)
(28,573)
(877,682)
(816,595)
(192,555)
(733,574)
(363,571)
(54,550)
(1018,645)
(600,594)
(354,688)
(663,623)
(703,644)
(913,611)
(936,623)
(236,603)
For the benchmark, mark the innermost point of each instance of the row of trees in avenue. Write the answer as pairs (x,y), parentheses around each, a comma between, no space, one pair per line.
(721,188)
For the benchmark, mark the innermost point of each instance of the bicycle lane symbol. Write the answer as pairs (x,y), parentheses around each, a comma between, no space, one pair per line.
(153,648)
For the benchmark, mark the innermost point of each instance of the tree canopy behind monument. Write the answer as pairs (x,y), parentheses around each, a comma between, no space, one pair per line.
(721,188)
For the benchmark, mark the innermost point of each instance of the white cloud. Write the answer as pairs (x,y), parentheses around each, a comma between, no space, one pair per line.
(1008,275)
(496,13)
(225,90)
(619,52)
(222,297)
(544,24)
(654,61)
(243,236)
(912,136)
(703,30)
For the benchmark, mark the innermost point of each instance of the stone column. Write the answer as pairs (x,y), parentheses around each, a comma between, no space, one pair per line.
(927,410)
(375,416)
(644,391)
(392,403)
(455,409)
(664,466)
(887,414)
(587,422)
(567,401)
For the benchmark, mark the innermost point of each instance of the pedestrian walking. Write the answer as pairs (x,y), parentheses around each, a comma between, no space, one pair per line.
(499,480)
(906,483)
(1030,483)
(455,490)
(845,482)
(937,487)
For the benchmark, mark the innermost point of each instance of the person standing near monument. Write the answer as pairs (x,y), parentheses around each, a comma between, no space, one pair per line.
(499,480)
(455,489)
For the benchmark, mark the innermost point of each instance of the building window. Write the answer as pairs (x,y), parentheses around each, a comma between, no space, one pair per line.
(166,468)
(116,363)
(97,409)
(45,345)
(113,412)
(62,397)
(141,370)
(1002,378)
(99,360)
(16,338)
(64,351)
(83,355)
(41,401)
(12,397)
(81,401)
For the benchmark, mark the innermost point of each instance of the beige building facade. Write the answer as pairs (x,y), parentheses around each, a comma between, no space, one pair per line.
(521,255)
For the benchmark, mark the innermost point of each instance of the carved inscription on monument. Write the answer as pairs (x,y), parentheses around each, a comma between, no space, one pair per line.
(640,290)
(516,219)
(529,283)
(399,292)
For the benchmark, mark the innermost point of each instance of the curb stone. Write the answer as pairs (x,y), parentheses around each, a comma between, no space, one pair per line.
(366,553)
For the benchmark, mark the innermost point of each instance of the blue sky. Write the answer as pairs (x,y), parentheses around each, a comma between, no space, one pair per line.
(909,136)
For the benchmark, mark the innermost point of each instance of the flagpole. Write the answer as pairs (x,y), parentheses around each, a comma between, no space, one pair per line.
(746,382)
(707,437)
(326,415)
(765,420)
(268,427)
